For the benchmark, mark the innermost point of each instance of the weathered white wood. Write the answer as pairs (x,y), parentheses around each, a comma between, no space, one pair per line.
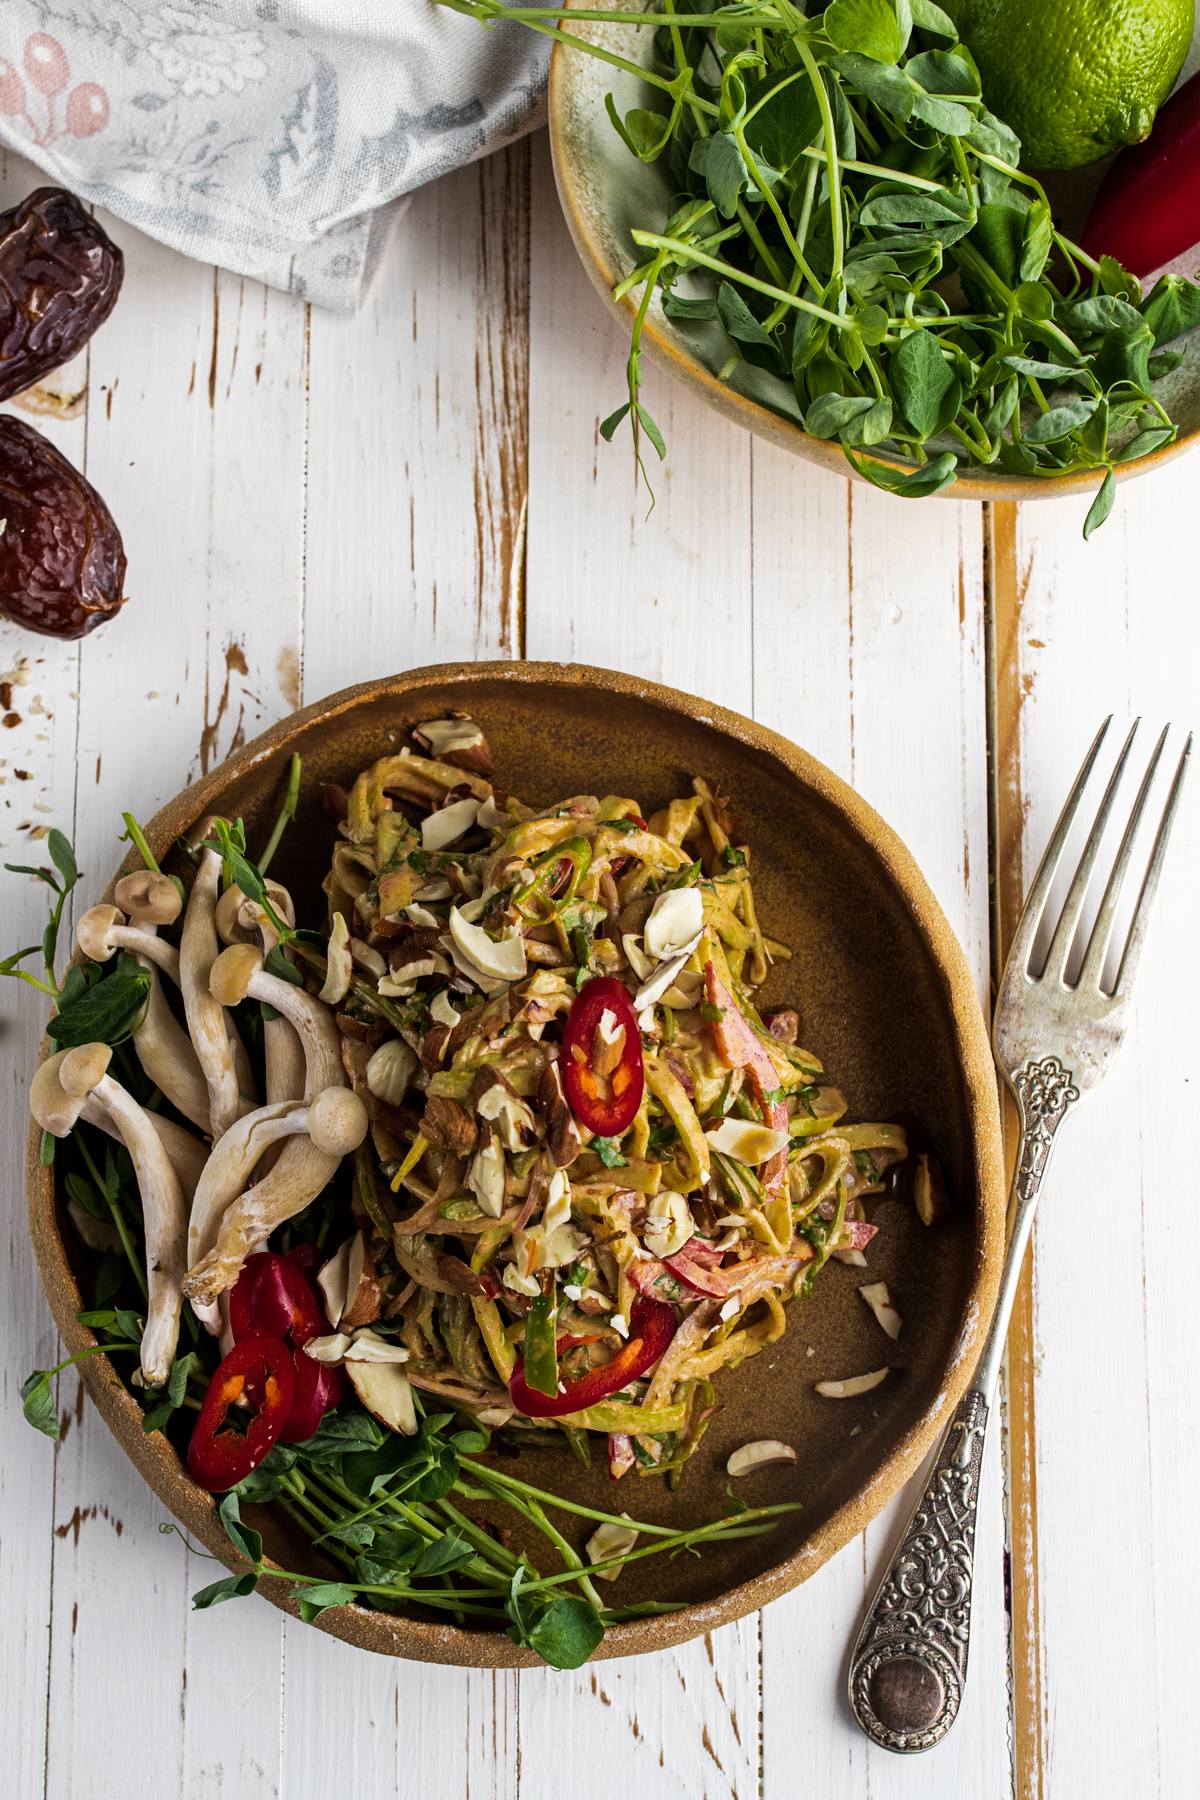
(1110,626)
(37,738)
(416,441)
(868,626)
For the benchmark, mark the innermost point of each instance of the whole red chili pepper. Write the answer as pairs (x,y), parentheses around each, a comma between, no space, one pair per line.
(218,1459)
(651,1328)
(608,1105)
(1148,209)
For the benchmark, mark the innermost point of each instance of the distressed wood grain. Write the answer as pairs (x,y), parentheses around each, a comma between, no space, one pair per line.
(417,441)
(1104,1561)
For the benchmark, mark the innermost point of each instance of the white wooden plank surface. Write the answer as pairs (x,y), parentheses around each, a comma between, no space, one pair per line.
(295,493)
(1110,626)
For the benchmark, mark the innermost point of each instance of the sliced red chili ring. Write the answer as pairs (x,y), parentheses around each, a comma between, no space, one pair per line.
(605,1107)
(651,1328)
(319,1387)
(218,1458)
(272,1296)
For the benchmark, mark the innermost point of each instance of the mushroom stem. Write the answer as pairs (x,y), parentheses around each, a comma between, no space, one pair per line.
(305,1167)
(164,1049)
(64,1084)
(186,1153)
(199,949)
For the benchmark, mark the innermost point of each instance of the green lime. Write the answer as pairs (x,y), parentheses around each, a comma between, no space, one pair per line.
(1075,79)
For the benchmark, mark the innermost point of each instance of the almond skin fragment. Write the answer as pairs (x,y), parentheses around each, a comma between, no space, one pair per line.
(758,1455)
(877,1297)
(929,1191)
(362,1286)
(853,1384)
(449,1125)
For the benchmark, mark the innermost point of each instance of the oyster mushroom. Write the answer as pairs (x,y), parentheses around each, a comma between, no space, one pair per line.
(198,951)
(56,1098)
(303,1168)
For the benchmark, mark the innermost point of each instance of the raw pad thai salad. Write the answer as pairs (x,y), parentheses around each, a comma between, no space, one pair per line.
(507,1148)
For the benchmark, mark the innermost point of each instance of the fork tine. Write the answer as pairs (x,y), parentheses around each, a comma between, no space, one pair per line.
(1064,931)
(1035,905)
(1136,943)
(1097,950)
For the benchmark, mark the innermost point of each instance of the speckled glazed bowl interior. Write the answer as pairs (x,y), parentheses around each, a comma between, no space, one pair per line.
(886,1001)
(605,191)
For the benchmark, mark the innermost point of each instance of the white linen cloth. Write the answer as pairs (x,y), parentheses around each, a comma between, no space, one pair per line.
(274,137)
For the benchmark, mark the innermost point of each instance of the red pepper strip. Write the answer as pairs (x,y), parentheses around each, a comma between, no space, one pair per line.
(620,1454)
(1148,209)
(271,1296)
(319,1387)
(681,1272)
(219,1459)
(607,1115)
(860,1235)
(738,1048)
(651,1328)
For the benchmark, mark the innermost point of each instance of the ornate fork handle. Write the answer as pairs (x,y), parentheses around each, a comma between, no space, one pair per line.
(908,1668)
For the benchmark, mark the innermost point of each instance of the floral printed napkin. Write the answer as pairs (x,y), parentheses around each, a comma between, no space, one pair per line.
(275,137)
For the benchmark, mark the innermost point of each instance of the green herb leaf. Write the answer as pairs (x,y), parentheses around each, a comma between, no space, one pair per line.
(1060,421)
(1101,506)
(1172,309)
(786,124)
(931,18)
(63,858)
(1144,443)
(243,1538)
(888,86)
(320,1597)
(343,1432)
(109,1277)
(234,1587)
(733,1506)
(869,26)
(645,133)
(714,1014)
(920,378)
(276,963)
(1100,313)
(608,1149)
(1037,241)
(450,1551)
(609,425)
(756,345)
(37,1403)
(719,160)
(829,414)
(105,1014)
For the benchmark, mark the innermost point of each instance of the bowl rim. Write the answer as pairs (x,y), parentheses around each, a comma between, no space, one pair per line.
(665,347)
(159,1464)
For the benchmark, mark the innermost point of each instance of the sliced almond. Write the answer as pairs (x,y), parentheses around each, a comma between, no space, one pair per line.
(452,822)
(503,961)
(333,1280)
(610,1540)
(855,1258)
(390,1071)
(369,1347)
(362,1288)
(330,1349)
(384,1390)
(747,1142)
(675,923)
(339,964)
(853,1384)
(880,1302)
(441,735)
(758,1455)
(929,1191)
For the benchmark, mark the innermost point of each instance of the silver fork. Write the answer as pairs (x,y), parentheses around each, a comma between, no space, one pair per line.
(1054,1045)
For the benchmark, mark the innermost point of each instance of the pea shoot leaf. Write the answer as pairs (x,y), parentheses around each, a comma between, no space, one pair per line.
(63,858)
(1144,443)
(829,413)
(869,26)
(1101,506)
(565,1633)
(1060,421)
(787,123)
(739,322)
(1100,313)
(608,1149)
(1124,356)
(343,1432)
(320,1597)
(1037,241)
(450,1551)
(233,1587)
(37,1403)
(931,18)
(1172,309)
(242,1537)
(719,160)
(920,378)
(105,1014)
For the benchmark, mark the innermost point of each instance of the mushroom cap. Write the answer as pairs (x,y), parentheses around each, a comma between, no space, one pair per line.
(149,896)
(55,1110)
(94,931)
(337,1121)
(233,971)
(238,919)
(83,1067)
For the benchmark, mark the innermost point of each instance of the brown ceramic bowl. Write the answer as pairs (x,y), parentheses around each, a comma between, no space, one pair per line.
(887,1002)
(605,191)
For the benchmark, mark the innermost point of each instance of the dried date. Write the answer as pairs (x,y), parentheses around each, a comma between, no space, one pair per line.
(62,564)
(59,278)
